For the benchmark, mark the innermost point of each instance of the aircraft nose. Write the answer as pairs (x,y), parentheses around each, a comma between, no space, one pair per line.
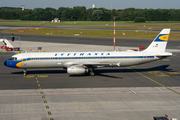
(5,63)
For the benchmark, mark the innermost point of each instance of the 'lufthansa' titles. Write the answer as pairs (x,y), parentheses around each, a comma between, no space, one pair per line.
(83,54)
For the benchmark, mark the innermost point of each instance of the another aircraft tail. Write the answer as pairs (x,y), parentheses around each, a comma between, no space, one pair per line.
(160,42)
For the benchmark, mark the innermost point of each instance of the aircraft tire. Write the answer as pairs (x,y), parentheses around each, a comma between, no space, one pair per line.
(24,74)
(92,73)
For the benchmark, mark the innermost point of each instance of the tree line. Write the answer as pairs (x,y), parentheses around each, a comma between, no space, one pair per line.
(80,13)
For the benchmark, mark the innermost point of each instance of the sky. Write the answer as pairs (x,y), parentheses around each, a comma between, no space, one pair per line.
(116,4)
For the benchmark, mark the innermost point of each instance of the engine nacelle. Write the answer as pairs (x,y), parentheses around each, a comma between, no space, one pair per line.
(76,70)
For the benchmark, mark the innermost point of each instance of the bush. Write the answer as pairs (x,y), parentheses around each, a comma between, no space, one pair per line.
(139,19)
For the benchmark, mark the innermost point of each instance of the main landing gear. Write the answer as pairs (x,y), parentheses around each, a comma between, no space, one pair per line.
(25,72)
(91,71)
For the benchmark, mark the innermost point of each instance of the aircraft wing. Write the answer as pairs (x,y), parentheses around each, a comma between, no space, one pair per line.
(94,64)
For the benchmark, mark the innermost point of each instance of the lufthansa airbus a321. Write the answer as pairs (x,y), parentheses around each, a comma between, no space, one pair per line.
(85,62)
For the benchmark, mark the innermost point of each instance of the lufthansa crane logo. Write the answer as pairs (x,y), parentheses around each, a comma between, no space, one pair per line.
(164,37)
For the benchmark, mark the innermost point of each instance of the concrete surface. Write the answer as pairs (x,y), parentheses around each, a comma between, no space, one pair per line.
(113,94)
(89,103)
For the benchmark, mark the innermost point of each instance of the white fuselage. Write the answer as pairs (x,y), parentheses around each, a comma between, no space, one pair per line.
(95,59)
(83,62)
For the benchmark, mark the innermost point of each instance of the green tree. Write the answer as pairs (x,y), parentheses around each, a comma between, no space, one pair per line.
(106,16)
(89,14)
(113,13)
(80,13)
(80,7)
(59,12)
(96,15)
(139,19)
(82,16)
(67,14)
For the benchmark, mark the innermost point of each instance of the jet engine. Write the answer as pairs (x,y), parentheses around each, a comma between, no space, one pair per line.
(72,70)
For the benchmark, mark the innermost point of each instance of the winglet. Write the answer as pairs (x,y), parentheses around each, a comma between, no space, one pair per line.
(160,42)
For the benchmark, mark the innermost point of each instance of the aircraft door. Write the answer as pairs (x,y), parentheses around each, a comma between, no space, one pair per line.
(25,59)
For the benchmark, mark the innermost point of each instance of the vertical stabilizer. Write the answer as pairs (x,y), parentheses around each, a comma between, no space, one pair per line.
(160,42)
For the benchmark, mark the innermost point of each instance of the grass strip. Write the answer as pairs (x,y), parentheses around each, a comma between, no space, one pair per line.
(92,33)
(83,23)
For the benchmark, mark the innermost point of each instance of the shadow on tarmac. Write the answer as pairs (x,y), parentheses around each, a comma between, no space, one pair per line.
(98,72)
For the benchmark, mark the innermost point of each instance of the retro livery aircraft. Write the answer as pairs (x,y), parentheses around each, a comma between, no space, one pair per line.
(85,62)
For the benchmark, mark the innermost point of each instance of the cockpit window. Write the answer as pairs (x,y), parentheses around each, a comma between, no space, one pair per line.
(13,58)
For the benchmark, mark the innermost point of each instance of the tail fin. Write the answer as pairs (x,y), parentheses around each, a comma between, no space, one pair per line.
(160,42)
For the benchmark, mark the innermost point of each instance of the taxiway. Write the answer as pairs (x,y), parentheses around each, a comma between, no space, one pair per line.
(136,92)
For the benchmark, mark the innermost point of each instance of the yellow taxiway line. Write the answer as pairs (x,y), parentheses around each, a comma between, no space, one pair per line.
(154,81)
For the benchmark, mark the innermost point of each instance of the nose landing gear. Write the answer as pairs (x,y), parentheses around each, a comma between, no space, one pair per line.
(25,72)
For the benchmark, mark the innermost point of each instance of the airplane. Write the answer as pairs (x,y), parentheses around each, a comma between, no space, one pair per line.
(85,62)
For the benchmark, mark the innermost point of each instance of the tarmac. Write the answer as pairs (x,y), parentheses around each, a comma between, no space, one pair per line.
(129,93)
(89,103)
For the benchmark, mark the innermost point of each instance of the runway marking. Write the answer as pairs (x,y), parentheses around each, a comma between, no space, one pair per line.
(133,66)
(158,73)
(165,59)
(45,101)
(49,113)
(28,76)
(158,88)
(47,107)
(133,91)
(173,73)
(154,81)
(42,76)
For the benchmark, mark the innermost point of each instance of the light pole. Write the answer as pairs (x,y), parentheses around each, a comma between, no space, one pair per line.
(114,34)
